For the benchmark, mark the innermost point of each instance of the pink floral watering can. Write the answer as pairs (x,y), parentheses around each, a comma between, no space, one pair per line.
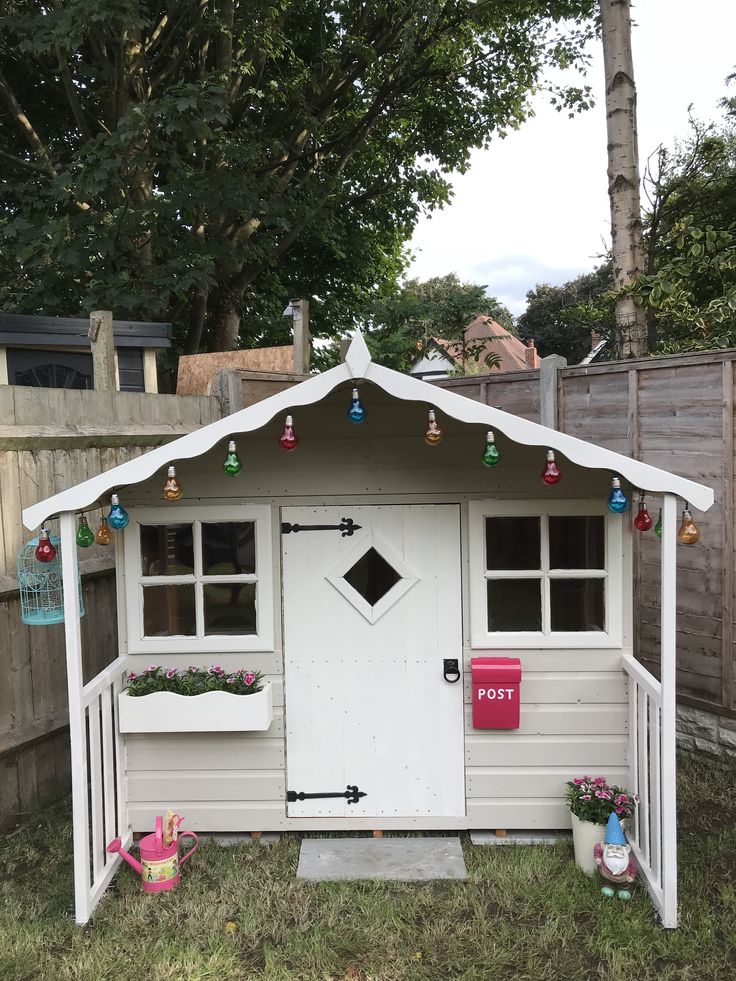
(159,864)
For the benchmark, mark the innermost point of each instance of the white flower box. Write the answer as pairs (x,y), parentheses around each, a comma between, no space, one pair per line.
(214,711)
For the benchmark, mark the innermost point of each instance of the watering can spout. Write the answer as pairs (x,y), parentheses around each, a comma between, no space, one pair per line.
(117,846)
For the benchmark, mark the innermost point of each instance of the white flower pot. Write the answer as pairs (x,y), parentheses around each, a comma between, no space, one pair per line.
(214,711)
(585,836)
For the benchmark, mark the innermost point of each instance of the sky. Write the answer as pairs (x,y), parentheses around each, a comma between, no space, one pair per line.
(533,208)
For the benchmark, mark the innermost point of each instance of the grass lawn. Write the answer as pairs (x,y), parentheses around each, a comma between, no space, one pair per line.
(525,913)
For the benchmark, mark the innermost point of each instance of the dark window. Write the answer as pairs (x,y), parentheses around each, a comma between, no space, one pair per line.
(513,543)
(514,604)
(167,550)
(577,542)
(372,576)
(49,369)
(230,608)
(229,548)
(168,611)
(577,604)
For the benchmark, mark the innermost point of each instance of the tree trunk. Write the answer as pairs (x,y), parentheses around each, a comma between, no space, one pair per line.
(623,173)
(225,323)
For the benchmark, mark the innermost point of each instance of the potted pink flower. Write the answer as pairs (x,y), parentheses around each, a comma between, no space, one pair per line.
(195,700)
(591,801)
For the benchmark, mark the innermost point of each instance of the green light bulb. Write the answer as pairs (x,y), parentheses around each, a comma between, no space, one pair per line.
(658,526)
(233,464)
(491,454)
(85,535)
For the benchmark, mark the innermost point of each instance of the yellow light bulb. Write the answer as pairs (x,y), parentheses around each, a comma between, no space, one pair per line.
(433,436)
(688,533)
(172,488)
(103,535)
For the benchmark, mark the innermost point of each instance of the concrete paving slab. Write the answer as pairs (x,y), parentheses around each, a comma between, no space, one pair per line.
(399,859)
(520,837)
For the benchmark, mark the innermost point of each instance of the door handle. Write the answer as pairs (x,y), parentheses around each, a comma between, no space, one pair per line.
(451,670)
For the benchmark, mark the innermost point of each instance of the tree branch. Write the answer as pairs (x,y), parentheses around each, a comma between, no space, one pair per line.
(26,164)
(71,94)
(35,141)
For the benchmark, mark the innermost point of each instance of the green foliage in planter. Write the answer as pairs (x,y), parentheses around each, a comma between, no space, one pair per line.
(593,799)
(194,681)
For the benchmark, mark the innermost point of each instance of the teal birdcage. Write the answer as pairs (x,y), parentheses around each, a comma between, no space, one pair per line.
(40,585)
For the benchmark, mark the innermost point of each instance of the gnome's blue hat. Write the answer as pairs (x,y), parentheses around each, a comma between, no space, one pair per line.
(614,831)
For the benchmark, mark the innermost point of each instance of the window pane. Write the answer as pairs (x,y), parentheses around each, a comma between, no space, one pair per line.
(513,543)
(167,550)
(577,604)
(229,548)
(577,542)
(372,576)
(230,608)
(514,604)
(168,611)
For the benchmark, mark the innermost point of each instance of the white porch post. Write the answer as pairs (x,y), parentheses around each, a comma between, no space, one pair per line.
(77,726)
(668,653)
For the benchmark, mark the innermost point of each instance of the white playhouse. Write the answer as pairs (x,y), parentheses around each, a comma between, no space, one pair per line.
(362,574)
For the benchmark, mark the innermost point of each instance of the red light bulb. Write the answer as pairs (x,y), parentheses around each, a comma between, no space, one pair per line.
(45,550)
(289,439)
(551,473)
(643,520)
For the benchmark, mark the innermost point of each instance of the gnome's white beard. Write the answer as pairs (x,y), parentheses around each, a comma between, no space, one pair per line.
(616,858)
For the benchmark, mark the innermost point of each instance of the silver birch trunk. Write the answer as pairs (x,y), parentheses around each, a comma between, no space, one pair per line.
(623,173)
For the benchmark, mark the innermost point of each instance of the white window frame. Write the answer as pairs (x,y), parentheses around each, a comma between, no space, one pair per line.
(482,637)
(263,640)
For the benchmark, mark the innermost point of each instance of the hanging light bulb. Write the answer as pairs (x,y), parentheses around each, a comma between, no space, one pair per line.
(434,434)
(103,535)
(658,526)
(689,533)
(643,520)
(491,454)
(45,550)
(118,516)
(618,502)
(233,464)
(172,488)
(288,440)
(85,535)
(356,412)
(551,473)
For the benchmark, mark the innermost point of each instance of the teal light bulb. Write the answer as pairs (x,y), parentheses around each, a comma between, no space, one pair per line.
(356,412)
(618,502)
(658,526)
(491,454)
(233,464)
(118,516)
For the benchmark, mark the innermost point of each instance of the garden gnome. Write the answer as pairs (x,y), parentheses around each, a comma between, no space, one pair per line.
(615,862)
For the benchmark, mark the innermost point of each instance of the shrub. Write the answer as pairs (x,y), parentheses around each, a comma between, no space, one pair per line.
(193,681)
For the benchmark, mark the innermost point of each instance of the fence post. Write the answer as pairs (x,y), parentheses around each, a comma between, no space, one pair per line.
(548,368)
(103,350)
(302,341)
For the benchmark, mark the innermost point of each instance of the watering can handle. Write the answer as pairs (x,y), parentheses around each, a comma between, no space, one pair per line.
(191,834)
(159,834)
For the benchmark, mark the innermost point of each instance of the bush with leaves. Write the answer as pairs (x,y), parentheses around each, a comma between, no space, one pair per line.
(193,681)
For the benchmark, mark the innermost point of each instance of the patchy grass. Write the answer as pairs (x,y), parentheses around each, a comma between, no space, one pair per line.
(525,913)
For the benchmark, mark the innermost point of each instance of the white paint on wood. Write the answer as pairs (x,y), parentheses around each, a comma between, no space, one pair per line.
(203,750)
(564,719)
(367,703)
(3,366)
(512,750)
(150,371)
(358,365)
(532,783)
(242,786)
(213,711)
(668,679)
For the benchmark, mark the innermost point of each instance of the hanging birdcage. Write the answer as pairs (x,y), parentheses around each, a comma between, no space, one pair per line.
(40,586)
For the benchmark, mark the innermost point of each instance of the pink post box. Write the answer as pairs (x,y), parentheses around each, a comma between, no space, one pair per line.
(496,697)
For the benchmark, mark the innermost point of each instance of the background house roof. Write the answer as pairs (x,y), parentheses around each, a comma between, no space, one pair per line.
(498,341)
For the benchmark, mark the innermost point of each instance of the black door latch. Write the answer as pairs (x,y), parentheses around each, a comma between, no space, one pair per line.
(352,795)
(451,670)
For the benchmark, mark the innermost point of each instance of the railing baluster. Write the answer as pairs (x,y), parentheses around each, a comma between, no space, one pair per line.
(108,767)
(643,808)
(634,752)
(655,757)
(95,774)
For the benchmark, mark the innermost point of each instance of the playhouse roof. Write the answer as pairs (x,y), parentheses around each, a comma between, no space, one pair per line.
(358,365)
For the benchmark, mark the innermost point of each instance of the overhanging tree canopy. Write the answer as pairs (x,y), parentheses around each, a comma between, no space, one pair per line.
(197,160)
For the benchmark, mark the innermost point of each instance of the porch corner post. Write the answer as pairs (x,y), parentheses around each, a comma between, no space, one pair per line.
(77,726)
(668,661)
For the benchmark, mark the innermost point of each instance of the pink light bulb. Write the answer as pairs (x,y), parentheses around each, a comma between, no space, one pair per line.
(551,473)
(45,550)
(288,440)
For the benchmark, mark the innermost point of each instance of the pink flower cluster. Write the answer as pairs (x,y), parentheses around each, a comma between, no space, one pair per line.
(593,799)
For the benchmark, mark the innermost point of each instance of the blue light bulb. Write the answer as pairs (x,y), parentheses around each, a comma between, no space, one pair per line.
(618,502)
(356,412)
(118,516)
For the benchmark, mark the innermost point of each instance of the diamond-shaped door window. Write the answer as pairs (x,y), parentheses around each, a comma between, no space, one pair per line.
(372,576)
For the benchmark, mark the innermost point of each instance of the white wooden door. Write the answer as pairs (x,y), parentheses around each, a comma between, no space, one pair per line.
(368,620)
